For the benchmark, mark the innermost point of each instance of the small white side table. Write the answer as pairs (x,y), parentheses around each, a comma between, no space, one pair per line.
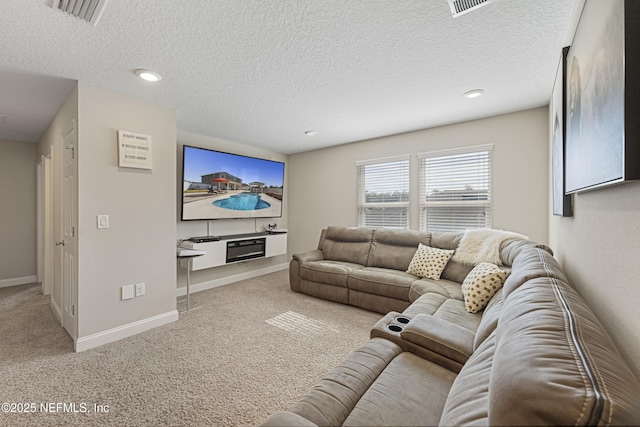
(188,254)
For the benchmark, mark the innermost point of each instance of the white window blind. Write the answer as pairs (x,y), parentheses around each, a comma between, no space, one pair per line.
(455,189)
(383,192)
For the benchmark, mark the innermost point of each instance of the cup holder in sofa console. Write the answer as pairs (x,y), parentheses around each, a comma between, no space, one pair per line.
(395,328)
(403,320)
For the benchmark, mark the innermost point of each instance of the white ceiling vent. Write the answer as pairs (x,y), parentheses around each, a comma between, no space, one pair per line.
(460,7)
(87,10)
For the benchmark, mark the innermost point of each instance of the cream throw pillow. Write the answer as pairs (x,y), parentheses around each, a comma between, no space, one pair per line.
(480,284)
(429,262)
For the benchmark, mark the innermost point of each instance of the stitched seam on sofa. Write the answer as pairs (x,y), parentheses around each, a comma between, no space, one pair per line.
(596,411)
(601,382)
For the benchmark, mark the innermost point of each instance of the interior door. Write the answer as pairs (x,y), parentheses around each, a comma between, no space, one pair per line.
(45,241)
(69,243)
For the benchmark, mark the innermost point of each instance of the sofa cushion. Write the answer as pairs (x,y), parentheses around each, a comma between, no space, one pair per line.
(444,287)
(454,270)
(440,336)
(395,248)
(382,281)
(468,400)
(331,401)
(481,284)
(489,321)
(330,272)
(567,370)
(531,263)
(410,391)
(347,244)
(442,307)
(429,262)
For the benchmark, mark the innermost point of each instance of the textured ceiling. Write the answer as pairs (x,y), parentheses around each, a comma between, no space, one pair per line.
(263,72)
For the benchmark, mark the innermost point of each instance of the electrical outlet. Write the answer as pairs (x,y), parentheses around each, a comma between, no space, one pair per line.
(127,292)
(140,289)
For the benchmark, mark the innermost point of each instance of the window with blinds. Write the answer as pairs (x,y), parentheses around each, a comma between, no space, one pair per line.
(383,192)
(455,189)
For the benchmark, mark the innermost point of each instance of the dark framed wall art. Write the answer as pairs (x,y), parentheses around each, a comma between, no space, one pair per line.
(602,106)
(561,200)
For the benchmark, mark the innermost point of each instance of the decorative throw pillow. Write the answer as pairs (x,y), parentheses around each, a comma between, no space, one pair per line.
(429,262)
(480,284)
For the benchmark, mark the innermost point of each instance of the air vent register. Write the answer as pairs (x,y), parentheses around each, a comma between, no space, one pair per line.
(87,10)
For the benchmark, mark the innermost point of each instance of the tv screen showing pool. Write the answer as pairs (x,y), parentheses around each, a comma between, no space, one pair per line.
(218,185)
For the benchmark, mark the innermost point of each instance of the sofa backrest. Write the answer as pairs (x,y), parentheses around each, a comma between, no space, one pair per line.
(549,357)
(395,248)
(347,244)
(454,270)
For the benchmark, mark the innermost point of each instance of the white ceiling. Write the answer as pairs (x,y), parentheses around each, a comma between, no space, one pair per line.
(262,73)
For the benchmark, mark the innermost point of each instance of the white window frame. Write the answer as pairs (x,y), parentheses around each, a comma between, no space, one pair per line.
(456,183)
(402,171)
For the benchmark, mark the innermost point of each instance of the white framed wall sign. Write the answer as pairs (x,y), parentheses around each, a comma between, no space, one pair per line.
(134,150)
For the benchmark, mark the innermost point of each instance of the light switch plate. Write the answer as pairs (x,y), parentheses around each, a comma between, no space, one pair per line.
(103,221)
(127,292)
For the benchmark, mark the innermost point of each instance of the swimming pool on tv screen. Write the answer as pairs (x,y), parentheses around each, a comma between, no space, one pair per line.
(242,202)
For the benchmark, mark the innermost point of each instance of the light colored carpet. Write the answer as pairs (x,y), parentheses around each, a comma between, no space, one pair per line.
(252,348)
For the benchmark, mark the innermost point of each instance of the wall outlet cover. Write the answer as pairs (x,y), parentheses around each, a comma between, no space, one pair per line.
(140,289)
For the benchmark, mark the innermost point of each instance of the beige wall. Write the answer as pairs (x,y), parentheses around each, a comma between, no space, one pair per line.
(322,183)
(599,249)
(17,212)
(203,279)
(139,246)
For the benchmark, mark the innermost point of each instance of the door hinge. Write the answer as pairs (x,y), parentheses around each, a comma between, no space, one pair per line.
(73,232)
(73,310)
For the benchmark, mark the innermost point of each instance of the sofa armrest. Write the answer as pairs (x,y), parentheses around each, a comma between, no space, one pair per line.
(287,419)
(440,336)
(312,255)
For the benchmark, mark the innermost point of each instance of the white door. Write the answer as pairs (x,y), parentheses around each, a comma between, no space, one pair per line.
(69,236)
(45,218)
(40,222)
(47,281)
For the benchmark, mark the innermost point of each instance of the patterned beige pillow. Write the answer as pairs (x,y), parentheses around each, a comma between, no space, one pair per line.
(429,262)
(480,284)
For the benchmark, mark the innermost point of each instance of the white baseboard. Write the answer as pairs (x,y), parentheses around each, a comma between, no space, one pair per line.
(5,283)
(203,286)
(124,331)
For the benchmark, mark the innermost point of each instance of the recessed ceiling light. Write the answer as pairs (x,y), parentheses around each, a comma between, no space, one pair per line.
(473,93)
(148,75)
(311,133)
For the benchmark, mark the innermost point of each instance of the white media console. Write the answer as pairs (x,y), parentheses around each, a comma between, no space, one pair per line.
(236,248)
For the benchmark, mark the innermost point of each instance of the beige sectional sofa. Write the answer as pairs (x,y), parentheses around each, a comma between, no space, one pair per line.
(535,355)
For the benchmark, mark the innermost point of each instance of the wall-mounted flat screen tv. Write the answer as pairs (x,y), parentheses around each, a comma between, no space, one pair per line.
(218,185)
